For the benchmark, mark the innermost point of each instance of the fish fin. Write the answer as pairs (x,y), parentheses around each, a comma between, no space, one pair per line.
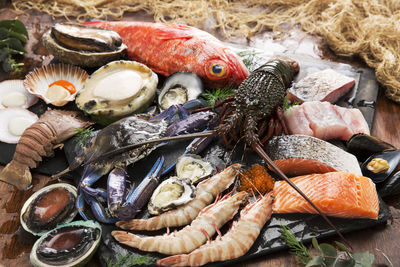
(173,32)
(16,174)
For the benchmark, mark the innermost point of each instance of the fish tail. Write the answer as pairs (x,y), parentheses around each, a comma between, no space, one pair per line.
(176,260)
(16,174)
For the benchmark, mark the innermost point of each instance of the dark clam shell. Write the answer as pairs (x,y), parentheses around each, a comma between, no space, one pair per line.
(71,244)
(49,207)
(364,145)
(392,158)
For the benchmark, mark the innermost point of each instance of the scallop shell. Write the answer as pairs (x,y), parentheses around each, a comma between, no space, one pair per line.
(6,117)
(37,81)
(16,86)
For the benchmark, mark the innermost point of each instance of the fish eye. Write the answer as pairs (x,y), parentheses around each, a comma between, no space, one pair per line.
(217,70)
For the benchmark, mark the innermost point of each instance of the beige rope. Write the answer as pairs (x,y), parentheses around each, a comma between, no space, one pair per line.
(369,29)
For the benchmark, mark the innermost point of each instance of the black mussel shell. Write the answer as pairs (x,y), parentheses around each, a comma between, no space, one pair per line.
(71,244)
(390,186)
(48,208)
(364,145)
(393,160)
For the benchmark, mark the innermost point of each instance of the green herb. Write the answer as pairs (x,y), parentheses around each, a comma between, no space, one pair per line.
(288,104)
(219,94)
(326,255)
(83,136)
(13,36)
(129,260)
(249,58)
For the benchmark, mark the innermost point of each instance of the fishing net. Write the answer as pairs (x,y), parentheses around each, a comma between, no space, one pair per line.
(369,29)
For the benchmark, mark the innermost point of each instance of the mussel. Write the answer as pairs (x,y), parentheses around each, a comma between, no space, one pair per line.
(364,145)
(380,166)
(71,244)
(179,88)
(83,45)
(171,193)
(194,168)
(48,208)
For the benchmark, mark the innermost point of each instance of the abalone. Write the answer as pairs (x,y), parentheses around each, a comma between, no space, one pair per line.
(48,208)
(194,168)
(71,244)
(171,193)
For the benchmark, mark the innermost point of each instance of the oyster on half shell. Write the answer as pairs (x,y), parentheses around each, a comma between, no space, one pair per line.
(194,168)
(117,90)
(48,208)
(83,45)
(171,193)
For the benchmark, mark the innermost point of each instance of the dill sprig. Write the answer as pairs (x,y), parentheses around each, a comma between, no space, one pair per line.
(83,135)
(212,97)
(295,247)
(288,104)
(129,260)
(249,58)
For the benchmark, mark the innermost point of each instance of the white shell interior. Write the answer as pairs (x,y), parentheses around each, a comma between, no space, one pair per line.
(13,94)
(14,121)
(37,81)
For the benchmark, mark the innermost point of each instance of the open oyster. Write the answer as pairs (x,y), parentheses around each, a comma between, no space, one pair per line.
(194,168)
(71,244)
(48,208)
(56,84)
(117,90)
(171,193)
(82,45)
(179,88)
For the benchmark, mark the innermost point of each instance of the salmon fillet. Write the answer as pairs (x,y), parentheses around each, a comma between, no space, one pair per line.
(338,194)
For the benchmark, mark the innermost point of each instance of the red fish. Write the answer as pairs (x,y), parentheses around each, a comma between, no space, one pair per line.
(167,49)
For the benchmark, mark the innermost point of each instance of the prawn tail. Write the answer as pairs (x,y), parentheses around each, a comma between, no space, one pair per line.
(127,238)
(17,174)
(176,260)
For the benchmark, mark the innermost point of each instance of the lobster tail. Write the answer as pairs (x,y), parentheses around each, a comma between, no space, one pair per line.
(16,174)
(177,260)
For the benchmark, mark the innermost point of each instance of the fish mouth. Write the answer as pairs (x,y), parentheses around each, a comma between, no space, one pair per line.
(239,71)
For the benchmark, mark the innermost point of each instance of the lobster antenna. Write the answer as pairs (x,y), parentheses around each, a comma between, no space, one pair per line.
(148,142)
(260,151)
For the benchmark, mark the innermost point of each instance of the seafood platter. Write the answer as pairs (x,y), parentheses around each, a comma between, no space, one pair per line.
(181,153)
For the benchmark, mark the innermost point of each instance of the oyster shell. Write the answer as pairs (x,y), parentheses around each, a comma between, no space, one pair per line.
(71,244)
(82,45)
(194,168)
(179,88)
(13,122)
(171,193)
(117,90)
(13,94)
(40,82)
(48,208)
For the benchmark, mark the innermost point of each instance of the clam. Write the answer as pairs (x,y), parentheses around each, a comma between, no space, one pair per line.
(82,45)
(48,208)
(13,122)
(179,88)
(171,193)
(13,94)
(117,90)
(194,168)
(380,166)
(56,84)
(364,145)
(71,244)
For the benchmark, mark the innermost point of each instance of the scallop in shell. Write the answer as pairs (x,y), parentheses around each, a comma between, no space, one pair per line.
(179,88)
(194,168)
(13,94)
(48,208)
(171,193)
(56,84)
(13,122)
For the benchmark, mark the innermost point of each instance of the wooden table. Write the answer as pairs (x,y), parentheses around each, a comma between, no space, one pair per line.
(15,243)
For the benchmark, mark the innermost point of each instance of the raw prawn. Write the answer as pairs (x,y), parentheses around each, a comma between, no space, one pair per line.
(210,219)
(232,245)
(206,191)
(38,141)
(168,48)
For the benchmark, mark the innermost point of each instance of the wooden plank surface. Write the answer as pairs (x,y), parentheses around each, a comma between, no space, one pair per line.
(15,243)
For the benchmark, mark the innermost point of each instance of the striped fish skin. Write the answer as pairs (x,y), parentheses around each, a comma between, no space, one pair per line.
(301,154)
(337,194)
